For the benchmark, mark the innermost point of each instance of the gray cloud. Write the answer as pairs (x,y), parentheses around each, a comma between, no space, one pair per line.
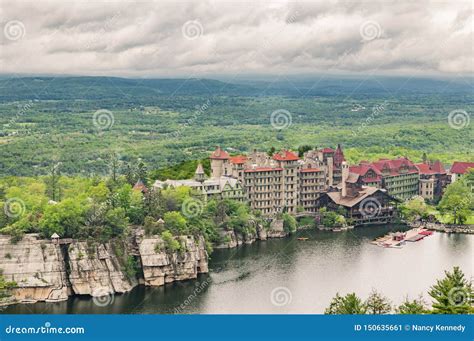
(145,38)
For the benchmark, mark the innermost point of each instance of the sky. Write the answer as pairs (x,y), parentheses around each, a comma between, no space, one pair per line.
(202,38)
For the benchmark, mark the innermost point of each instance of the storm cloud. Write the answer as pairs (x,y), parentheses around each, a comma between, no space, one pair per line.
(191,38)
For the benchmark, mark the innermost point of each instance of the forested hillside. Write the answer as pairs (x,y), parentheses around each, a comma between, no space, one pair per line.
(82,121)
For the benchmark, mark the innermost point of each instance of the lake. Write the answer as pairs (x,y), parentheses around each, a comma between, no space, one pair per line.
(290,276)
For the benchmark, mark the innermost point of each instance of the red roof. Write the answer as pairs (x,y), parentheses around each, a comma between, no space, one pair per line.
(219,154)
(285,155)
(435,168)
(362,170)
(327,150)
(140,186)
(239,159)
(394,166)
(461,167)
(263,169)
(310,170)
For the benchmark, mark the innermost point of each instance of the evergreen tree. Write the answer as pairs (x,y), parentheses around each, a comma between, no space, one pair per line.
(453,294)
(349,304)
(377,304)
(416,306)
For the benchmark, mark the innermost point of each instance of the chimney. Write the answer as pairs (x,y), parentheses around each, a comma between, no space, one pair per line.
(345,176)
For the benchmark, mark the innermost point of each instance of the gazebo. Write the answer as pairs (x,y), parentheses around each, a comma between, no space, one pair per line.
(55,238)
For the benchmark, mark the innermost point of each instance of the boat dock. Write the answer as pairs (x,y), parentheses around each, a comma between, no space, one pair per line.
(397,239)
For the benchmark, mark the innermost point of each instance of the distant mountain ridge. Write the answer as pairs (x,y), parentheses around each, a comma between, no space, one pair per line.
(95,88)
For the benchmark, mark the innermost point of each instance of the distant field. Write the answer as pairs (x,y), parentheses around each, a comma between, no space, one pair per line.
(164,127)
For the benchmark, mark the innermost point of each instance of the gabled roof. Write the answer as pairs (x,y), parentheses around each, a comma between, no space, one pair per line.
(435,168)
(219,154)
(338,199)
(363,169)
(199,169)
(461,167)
(285,155)
(140,186)
(54,235)
(239,159)
(394,166)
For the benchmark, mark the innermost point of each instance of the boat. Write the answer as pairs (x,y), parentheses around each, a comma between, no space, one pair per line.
(302,238)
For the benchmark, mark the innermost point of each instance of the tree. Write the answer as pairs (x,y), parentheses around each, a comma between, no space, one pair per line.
(457,201)
(64,218)
(349,304)
(175,222)
(414,209)
(303,149)
(453,294)
(171,244)
(289,223)
(416,306)
(54,189)
(377,304)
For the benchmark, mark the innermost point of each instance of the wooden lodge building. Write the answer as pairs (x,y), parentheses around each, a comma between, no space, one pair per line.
(363,204)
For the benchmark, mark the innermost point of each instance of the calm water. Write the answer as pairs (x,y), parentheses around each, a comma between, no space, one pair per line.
(242,280)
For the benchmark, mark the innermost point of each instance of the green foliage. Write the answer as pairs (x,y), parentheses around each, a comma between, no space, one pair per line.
(5,286)
(332,218)
(414,209)
(171,244)
(349,304)
(377,304)
(63,218)
(413,307)
(289,223)
(452,294)
(175,222)
(458,201)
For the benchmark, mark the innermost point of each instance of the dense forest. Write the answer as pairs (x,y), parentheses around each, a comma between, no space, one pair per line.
(80,121)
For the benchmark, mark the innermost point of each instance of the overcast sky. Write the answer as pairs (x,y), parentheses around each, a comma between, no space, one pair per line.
(182,38)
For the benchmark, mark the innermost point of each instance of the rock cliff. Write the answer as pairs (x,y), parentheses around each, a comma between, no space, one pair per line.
(37,266)
(231,239)
(46,271)
(95,269)
(160,266)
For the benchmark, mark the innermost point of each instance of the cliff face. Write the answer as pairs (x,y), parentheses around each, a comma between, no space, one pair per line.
(95,270)
(37,266)
(160,266)
(44,271)
(232,239)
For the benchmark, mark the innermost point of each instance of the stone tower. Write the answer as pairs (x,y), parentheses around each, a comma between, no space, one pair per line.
(220,165)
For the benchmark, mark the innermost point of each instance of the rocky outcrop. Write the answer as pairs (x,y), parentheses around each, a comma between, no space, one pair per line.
(161,266)
(36,266)
(96,270)
(231,239)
